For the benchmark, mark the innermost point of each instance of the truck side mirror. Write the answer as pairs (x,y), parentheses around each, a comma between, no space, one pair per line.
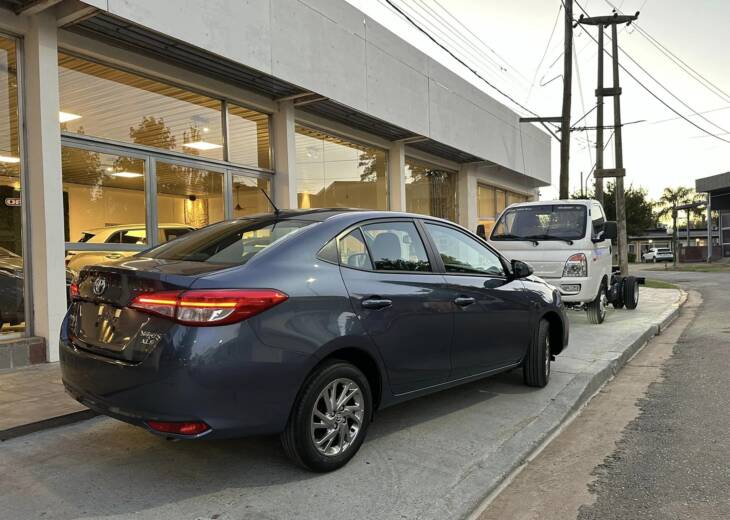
(481,232)
(610,230)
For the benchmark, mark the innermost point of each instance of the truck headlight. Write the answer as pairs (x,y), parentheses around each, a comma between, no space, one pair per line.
(576,266)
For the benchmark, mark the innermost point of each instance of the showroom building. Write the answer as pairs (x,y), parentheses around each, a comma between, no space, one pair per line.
(126,123)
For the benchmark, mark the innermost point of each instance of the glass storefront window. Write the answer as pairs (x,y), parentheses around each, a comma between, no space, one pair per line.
(104,203)
(100,101)
(188,196)
(248,137)
(334,172)
(492,201)
(12,301)
(430,190)
(248,198)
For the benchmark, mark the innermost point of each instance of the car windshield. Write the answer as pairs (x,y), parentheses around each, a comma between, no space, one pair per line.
(543,222)
(229,243)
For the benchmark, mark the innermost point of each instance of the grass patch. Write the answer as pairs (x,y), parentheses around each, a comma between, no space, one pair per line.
(652,283)
(695,268)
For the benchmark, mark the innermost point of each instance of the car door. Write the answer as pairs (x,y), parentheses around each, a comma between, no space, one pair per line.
(602,249)
(401,301)
(492,318)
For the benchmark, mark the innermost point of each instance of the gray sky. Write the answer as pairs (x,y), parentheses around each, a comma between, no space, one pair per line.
(664,150)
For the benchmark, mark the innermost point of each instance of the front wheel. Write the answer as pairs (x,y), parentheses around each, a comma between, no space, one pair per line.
(536,368)
(330,417)
(596,310)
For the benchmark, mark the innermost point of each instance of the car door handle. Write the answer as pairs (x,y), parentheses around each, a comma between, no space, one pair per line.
(376,303)
(463,301)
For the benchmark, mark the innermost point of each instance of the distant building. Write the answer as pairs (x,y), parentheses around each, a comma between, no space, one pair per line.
(718,189)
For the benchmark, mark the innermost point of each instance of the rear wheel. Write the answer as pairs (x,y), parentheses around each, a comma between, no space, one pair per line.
(536,368)
(330,417)
(596,310)
(630,292)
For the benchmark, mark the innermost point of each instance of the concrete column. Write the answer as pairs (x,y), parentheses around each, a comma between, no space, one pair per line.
(45,188)
(285,156)
(467,198)
(397,177)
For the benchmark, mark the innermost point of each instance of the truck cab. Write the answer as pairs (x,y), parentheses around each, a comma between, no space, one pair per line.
(568,244)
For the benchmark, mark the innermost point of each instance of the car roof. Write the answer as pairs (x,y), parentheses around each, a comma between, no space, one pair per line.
(123,227)
(343,214)
(581,202)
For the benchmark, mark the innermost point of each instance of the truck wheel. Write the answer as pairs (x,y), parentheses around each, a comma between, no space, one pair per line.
(596,310)
(630,293)
(536,367)
(330,417)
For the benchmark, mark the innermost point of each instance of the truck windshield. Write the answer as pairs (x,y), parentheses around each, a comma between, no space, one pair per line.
(543,222)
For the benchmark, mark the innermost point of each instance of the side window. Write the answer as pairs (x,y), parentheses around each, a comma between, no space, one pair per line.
(462,254)
(172,234)
(114,238)
(133,236)
(598,219)
(396,246)
(353,252)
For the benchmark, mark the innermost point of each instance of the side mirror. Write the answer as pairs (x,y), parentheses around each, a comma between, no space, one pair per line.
(481,232)
(610,230)
(521,269)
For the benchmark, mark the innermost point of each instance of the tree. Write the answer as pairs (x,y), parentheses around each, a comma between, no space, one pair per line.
(668,203)
(639,209)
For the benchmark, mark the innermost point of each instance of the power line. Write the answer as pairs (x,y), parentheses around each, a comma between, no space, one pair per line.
(632,76)
(458,59)
(547,46)
(684,66)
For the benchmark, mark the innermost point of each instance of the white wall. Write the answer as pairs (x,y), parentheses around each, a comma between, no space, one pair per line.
(331,48)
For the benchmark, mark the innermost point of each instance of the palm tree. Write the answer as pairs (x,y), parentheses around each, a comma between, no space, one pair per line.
(668,203)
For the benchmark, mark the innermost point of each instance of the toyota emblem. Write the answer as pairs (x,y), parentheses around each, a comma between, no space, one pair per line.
(99,286)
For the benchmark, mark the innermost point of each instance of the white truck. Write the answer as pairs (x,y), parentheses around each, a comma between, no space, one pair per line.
(568,243)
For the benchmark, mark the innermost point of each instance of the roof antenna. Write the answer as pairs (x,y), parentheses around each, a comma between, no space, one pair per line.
(276,210)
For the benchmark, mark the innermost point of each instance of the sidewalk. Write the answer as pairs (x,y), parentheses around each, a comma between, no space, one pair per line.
(32,398)
(436,457)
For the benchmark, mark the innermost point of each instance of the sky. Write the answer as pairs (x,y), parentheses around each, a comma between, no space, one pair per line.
(507,46)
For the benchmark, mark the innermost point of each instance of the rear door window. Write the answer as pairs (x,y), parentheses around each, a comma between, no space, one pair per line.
(396,246)
(231,243)
(353,251)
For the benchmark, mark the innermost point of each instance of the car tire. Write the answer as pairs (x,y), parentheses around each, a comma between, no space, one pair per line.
(630,292)
(536,368)
(319,433)
(654,259)
(596,310)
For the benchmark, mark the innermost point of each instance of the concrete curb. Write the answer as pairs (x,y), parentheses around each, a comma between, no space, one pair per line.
(472,494)
(46,424)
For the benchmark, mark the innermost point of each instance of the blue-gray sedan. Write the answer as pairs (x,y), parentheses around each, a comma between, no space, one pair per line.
(302,323)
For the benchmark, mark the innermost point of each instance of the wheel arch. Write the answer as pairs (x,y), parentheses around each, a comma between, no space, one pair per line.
(366,363)
(557,331)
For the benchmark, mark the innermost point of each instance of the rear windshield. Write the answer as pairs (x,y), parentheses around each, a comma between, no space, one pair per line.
(664,250)
(543,222)
(232,243)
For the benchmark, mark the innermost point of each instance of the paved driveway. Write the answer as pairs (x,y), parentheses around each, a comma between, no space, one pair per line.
(434,457)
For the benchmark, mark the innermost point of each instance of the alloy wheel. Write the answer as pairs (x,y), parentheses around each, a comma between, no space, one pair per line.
(547,357)
(337,417)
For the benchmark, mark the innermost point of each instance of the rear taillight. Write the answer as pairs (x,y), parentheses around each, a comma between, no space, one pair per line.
(208,306)
(73,289)
(179,428)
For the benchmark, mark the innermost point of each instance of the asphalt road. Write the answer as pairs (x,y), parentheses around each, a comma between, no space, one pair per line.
(674,459)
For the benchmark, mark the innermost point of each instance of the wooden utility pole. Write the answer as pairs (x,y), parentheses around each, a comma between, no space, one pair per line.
(567,95)
(599,118)
(618,171)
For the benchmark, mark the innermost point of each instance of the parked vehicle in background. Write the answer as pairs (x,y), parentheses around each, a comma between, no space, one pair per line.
(658,254)
(12,303)
(302,323)
(568,243)
(126,234)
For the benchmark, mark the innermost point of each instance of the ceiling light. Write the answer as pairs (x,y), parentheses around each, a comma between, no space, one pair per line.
(202,145)
(9,159)
(127,175)
(65,117)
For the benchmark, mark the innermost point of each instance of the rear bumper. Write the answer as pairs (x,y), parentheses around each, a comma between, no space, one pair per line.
(223,376)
